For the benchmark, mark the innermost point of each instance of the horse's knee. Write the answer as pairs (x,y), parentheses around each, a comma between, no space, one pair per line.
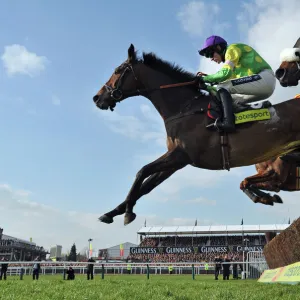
(141,173)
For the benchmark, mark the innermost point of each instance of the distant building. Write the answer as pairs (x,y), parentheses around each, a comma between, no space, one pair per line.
(118,252)
(55,252)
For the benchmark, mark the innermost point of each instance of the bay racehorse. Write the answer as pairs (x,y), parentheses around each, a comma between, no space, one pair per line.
(281,173)
(273,130)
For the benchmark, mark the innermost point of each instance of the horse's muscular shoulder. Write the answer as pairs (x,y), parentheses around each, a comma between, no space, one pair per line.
(173,143)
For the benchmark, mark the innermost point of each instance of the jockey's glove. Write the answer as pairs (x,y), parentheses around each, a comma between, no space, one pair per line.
(199,80)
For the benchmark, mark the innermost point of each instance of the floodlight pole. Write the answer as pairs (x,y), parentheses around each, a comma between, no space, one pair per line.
(89,240)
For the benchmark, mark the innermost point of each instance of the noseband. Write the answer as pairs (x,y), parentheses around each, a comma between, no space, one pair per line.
(116,93)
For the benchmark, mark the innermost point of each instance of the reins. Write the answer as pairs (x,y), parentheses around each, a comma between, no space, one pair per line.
(167,86)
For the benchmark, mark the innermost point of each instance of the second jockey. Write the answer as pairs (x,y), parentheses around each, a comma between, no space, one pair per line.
(245,76)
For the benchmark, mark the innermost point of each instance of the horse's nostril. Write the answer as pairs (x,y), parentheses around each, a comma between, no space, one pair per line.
(279,73)
(95,98)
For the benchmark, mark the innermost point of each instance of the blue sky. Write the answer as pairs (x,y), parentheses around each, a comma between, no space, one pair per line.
(64,163)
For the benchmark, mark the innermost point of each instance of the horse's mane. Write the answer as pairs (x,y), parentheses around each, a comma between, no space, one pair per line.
(169,69)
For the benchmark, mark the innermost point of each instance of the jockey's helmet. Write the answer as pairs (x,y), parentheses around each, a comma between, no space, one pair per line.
(210,46)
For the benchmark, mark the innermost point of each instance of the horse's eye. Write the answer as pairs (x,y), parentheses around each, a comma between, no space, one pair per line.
(117,70)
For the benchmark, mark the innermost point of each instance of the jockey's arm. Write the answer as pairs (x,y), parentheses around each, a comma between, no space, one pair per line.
(232,58)
(220,76)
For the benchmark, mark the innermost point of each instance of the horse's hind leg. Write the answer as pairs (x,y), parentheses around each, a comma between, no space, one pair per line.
(251,195)
(257,178)
(265,198)
(151,183)
(147,186)
(268,181)
(172,160)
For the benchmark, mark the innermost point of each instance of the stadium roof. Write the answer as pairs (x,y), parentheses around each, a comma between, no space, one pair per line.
(8,237)
(213,229)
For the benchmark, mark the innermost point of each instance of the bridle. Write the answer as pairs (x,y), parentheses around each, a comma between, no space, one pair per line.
(117,94)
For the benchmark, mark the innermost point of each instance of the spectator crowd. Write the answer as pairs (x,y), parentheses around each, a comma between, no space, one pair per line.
(200,241)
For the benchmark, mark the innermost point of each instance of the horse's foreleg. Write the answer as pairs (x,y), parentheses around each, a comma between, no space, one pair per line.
(172,160)
(150,183)
(153,181)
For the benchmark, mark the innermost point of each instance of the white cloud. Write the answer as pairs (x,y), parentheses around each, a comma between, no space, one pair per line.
(208,67)
(135,128)
(18,60)
(129,126)
(55,100)
(60,227)
(246,17)
(196,15)
(151,115)
(56,226)
(269,26)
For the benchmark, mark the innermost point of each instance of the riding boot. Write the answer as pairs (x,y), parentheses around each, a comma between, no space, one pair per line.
(228,122)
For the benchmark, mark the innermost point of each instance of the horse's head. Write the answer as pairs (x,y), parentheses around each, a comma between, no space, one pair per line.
(288,73)
(122,84)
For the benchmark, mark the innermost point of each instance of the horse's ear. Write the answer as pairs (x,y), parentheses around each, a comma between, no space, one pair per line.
(131,54)
(297,45)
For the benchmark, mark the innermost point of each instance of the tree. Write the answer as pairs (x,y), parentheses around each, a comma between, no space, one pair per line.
(73,255)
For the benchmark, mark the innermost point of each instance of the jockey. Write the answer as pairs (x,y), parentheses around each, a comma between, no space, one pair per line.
(244,78)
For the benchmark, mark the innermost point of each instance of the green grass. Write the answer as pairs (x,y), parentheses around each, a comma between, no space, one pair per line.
(137,287)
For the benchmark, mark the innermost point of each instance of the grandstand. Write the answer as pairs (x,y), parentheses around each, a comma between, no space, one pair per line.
(200,243)
(17,249)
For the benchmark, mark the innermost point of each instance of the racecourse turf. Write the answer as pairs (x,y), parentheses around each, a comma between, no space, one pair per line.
(160,287)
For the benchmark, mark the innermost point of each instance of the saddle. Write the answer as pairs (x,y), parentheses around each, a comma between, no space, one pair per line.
(244,113)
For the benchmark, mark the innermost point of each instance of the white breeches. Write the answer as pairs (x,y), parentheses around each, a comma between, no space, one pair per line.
(251,88)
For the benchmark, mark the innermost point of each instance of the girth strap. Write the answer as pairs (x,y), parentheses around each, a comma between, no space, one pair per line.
(225,151)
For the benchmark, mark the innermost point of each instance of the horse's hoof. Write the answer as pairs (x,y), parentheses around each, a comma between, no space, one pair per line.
(129,217)
(277,199)
(106,219)
(267,201)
